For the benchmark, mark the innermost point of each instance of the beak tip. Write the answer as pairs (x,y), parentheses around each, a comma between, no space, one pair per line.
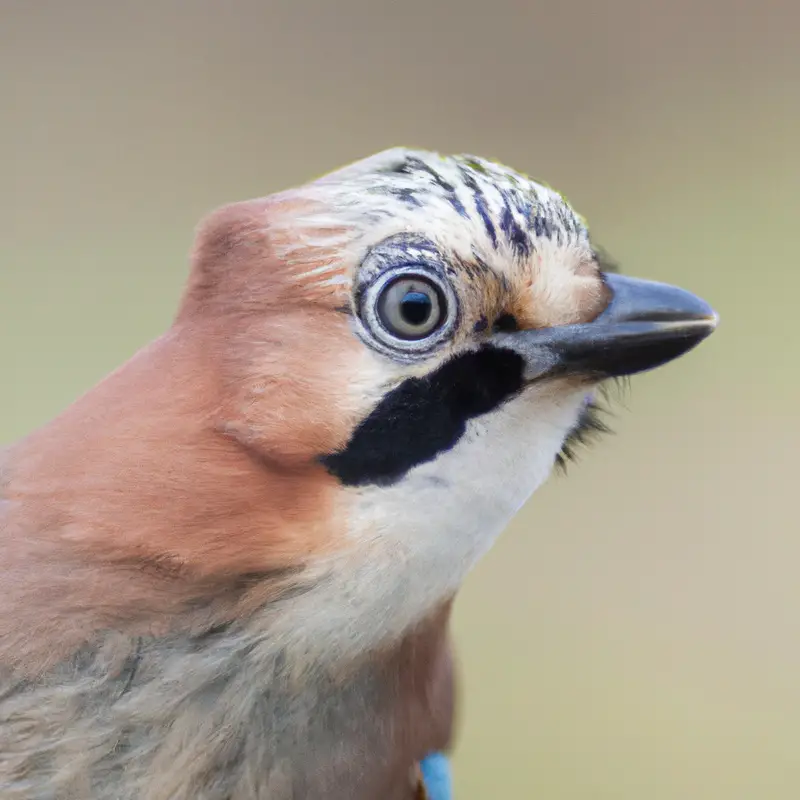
(702,311)
(706,318)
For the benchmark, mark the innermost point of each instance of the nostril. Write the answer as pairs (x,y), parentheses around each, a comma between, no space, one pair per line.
(505,323)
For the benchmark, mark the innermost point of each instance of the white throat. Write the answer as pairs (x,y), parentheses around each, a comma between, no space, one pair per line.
(417,539)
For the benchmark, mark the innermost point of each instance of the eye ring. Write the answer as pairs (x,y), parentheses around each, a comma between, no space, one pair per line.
(427,320)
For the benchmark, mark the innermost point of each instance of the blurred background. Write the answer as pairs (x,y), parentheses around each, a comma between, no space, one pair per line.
(636,633)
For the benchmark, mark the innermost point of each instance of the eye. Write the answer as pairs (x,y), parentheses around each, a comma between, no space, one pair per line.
(411,307)
(406,307)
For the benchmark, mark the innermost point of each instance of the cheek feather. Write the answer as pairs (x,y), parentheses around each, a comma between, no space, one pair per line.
(425,416)
(288,383)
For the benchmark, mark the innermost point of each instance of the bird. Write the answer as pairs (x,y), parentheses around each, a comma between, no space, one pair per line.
(228,568)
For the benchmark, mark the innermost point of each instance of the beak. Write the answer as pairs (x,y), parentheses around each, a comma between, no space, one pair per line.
(645,325)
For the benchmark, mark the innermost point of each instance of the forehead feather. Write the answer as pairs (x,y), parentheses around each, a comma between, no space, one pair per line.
(468,206)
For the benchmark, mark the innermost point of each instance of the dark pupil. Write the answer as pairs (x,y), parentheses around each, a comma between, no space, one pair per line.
(415,308)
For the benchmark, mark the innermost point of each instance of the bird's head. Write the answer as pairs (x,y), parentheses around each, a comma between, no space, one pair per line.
(428,332)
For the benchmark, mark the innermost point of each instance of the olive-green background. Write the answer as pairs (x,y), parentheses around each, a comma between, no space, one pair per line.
(636,632)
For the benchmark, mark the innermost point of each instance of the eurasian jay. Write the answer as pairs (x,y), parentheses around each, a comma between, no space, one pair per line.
(228,569)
